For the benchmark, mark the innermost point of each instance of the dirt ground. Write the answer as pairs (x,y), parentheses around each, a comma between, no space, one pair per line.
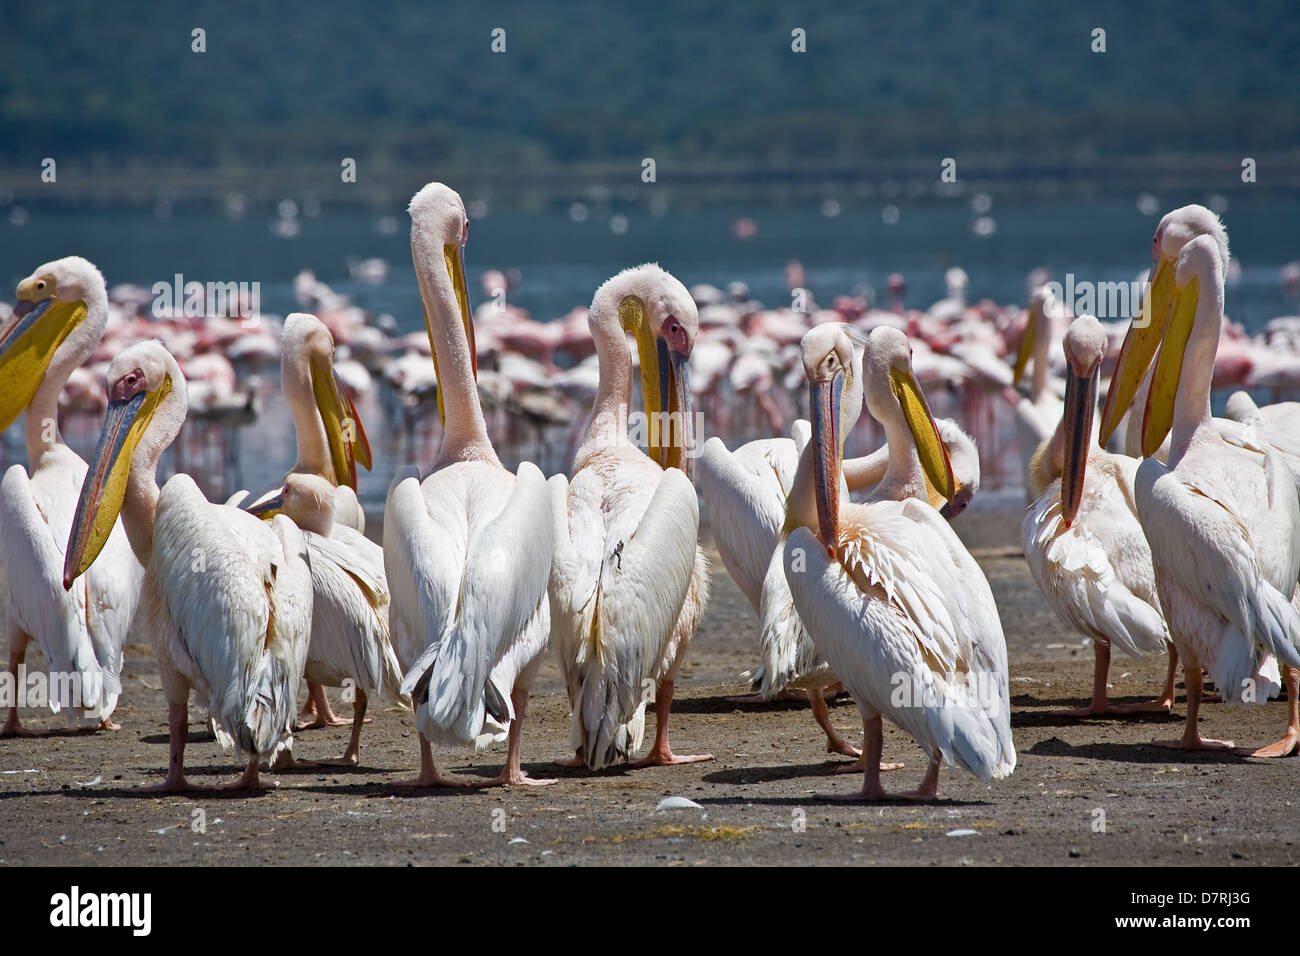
(67,799)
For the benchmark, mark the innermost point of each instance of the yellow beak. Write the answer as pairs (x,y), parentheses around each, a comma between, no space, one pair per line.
(343,431)
(1026,350)
(28,342)
(454,255)
(1140,344)
(665,391)
(1159,414)
(929,446)
(102,492)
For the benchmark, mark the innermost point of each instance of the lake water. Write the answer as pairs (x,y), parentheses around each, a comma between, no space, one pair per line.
(561,262)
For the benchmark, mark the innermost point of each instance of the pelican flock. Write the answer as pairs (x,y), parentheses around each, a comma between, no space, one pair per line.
(840,536)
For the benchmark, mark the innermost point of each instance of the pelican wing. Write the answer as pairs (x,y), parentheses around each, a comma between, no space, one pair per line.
(640,561)
(744,494)
(237,591)
(787,652)
(506,568)
(350,628)
(1200,534)
(1097,574)
(910,627)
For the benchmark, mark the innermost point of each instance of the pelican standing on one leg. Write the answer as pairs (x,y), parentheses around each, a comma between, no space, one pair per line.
(467,551)
(229,596)
(1223,522)
(628,580)
(1082,538)
(59,318)
(889,595)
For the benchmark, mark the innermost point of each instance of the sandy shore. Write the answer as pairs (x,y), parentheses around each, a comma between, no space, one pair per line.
(68,799)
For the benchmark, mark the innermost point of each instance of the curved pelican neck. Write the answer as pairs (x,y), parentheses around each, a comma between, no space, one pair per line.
(1192,414)
(464,435)
(904,477)
(609,413)
(41,421)
(309,430)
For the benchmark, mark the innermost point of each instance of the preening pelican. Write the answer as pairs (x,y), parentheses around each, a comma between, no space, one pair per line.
(1082,538)
(350,644)
(893,472)
(229,596)
(1037,414)
(1223,522)
(467,552)
(889,595)
(350,636)
(59,318)
(628,580)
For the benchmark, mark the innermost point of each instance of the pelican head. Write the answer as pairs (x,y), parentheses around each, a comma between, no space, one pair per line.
(307,500)
(834,372)
(308,358)
(892,393)
(660,313)
(1199,273)
(439,226)
(1085,344)
(58,320)
(1175,231)
(146,408)
(1041,304)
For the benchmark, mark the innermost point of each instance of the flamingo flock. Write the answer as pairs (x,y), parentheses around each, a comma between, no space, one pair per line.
(1184,541)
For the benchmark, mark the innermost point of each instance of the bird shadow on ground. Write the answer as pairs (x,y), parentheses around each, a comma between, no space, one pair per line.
(799,800)
(1045,718)
(1143,753)
(724,704)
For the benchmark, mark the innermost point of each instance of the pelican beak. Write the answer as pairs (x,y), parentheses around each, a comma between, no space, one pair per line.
(343,432)
(825,400)
(675,395)
(39,324)
(929,446)
(1159,415)
(1026,350)
(269,508)
(130,409)
(1140,344)
(1080,401)
(950,509)
(453,254)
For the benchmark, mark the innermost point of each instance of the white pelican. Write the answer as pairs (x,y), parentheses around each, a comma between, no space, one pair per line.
(893,472)
(350,643)
(350,637)
(467,552)
(889,595)
(1037,414)
(628,580)
(1082,538)
(59,318)
(1223,522)
(229,595)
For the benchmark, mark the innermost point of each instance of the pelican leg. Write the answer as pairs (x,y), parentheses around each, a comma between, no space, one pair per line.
(873,743)
(835,744)
(1098,706)
(178,727)
(860,765)
(661,754)
(251,778)
(512,774)
(1163,704)
(17,651)
(1290,741)
(429,776)
(319,705)
(1194,678)
(352,754)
